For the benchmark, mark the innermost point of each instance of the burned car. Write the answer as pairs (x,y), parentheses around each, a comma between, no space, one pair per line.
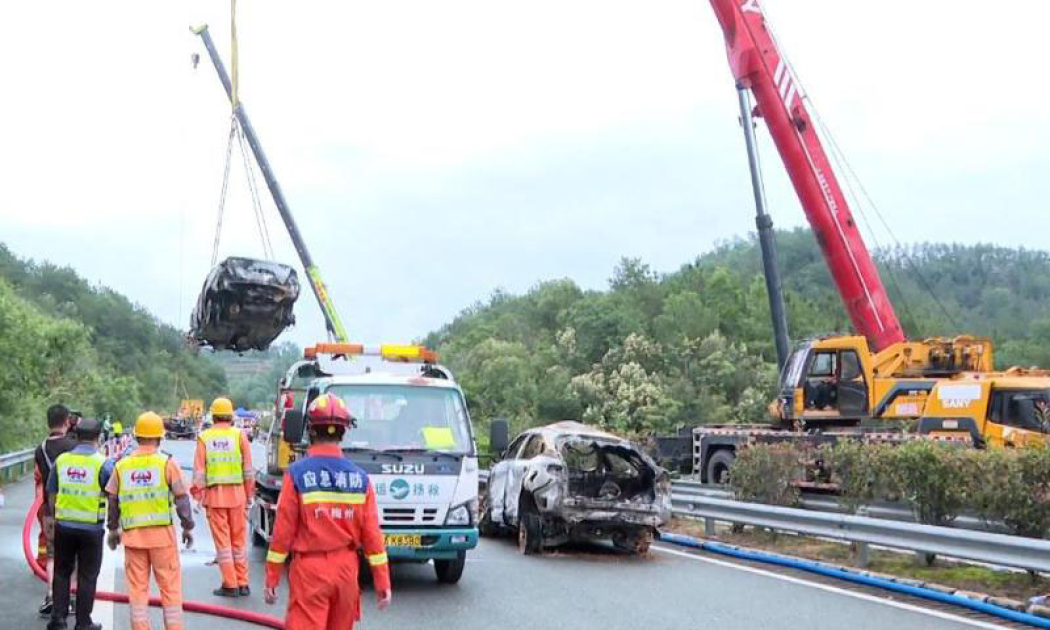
(570,482)
(245,304)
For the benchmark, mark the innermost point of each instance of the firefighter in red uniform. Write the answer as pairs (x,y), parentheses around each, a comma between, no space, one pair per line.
(326,513)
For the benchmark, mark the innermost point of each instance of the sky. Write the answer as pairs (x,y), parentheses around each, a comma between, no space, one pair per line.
(433,152)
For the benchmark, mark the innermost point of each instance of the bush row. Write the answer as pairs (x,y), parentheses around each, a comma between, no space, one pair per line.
(937,481)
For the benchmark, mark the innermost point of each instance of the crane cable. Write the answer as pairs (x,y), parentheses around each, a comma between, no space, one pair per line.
(237,132)
(846,168)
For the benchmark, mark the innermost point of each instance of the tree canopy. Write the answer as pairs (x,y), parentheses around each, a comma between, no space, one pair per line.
(66,341)
(656,353)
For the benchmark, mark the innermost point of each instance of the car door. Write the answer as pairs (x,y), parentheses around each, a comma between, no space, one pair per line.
(498,476)
(516,474)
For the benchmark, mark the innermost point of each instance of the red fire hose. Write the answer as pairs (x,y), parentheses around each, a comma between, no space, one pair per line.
(268,621)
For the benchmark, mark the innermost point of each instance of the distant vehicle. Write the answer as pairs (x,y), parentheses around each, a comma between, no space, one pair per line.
(244,304)
(180,427)
(569,482)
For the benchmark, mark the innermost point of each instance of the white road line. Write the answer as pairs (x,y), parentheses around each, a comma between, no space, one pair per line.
(833,589)
(105,612)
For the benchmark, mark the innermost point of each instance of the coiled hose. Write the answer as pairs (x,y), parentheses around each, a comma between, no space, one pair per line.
(849,576)
(267,621)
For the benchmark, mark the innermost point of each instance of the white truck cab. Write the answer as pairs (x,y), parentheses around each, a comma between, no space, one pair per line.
(414,439)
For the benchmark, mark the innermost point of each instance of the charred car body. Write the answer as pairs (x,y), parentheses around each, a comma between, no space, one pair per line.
(569,482)
(244,304)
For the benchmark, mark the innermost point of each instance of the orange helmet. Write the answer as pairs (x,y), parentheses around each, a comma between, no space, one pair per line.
(329,410)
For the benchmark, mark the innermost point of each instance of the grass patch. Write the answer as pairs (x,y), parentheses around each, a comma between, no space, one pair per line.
(958,575)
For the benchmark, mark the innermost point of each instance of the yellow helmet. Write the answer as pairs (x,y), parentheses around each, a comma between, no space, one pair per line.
(222,407)
(149,425)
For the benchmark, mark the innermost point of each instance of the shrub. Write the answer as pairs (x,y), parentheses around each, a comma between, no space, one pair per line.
(935,479)
(1014,488)
(860,470)
(765,473)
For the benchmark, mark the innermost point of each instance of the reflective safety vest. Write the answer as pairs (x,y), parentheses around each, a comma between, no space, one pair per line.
(80,498)
(145,497)
(222,448)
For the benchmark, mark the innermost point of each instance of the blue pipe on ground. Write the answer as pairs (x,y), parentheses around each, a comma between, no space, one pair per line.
(849,576)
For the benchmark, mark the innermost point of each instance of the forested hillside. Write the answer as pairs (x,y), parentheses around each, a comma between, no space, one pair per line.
(257,388)
(655,353)
(64,340)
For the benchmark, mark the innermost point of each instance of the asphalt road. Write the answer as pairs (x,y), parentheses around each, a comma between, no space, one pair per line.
(576,588)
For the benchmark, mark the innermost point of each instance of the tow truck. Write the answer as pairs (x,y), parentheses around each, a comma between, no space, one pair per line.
(874,384)
(413,436)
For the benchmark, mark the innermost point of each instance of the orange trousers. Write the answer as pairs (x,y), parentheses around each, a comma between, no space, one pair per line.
(164,562)
(323,591)
(228,528)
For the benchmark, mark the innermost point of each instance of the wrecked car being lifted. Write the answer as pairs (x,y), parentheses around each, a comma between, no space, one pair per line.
(569,482)
(244,304)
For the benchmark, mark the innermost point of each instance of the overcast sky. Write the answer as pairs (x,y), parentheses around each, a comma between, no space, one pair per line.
(435,151)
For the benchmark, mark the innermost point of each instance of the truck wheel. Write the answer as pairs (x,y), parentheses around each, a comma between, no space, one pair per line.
(530,532)
(718,466)
(449,571)
(257,538)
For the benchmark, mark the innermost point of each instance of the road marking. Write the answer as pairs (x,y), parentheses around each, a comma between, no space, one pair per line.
(833,589)
(105,612)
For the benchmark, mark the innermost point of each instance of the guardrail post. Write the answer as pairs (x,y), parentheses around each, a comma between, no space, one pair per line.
(709,527)
(861,554)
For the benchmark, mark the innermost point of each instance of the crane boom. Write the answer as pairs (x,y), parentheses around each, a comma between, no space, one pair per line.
(331,317)
(757,64)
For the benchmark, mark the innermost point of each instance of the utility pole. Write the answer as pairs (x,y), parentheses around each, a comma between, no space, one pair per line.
(766,238)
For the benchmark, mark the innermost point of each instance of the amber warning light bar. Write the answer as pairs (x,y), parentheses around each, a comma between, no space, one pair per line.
(404,354)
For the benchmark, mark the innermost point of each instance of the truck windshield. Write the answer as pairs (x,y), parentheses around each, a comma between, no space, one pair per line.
(395,417)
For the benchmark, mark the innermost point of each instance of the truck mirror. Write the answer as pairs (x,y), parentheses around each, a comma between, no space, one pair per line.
(292,426)
(499,437)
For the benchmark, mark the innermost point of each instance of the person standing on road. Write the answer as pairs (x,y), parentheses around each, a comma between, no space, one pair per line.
(224,482)
(58,441)
(326,512)
(142,490)
(77,509)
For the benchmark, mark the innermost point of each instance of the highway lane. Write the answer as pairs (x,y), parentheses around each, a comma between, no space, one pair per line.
(577,588)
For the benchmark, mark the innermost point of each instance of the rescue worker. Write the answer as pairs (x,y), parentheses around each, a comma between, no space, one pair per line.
(78,507)
(141,492)
(118,429)
(58,441)
(224,482)
(326,513)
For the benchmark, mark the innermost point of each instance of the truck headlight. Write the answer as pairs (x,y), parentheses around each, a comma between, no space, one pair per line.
(462,514)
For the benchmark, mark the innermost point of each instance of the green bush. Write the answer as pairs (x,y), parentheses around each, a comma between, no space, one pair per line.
(1013,487)
(936,479)
(765,473)
(860,471)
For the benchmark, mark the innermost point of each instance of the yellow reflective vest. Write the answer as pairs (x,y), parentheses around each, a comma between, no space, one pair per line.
(222,449)
(80,498)
(145,497)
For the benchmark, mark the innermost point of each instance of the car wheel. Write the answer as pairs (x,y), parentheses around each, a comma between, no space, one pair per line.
(718,466)
(449,571)
(530,531)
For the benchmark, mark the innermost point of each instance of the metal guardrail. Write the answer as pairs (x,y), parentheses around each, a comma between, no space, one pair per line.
(686,492)
(14,466)
(999,549)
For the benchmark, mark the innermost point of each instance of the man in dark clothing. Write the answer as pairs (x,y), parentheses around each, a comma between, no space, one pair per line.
(59,441)
(78,505)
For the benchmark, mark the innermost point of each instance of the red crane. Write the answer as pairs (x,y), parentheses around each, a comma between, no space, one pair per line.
(758,65)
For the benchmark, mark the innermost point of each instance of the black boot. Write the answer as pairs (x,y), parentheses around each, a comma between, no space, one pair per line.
(244,591)
(222,591)
(45,608)
(90,626)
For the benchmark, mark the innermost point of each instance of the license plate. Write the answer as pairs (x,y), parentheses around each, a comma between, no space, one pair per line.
(403,540)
